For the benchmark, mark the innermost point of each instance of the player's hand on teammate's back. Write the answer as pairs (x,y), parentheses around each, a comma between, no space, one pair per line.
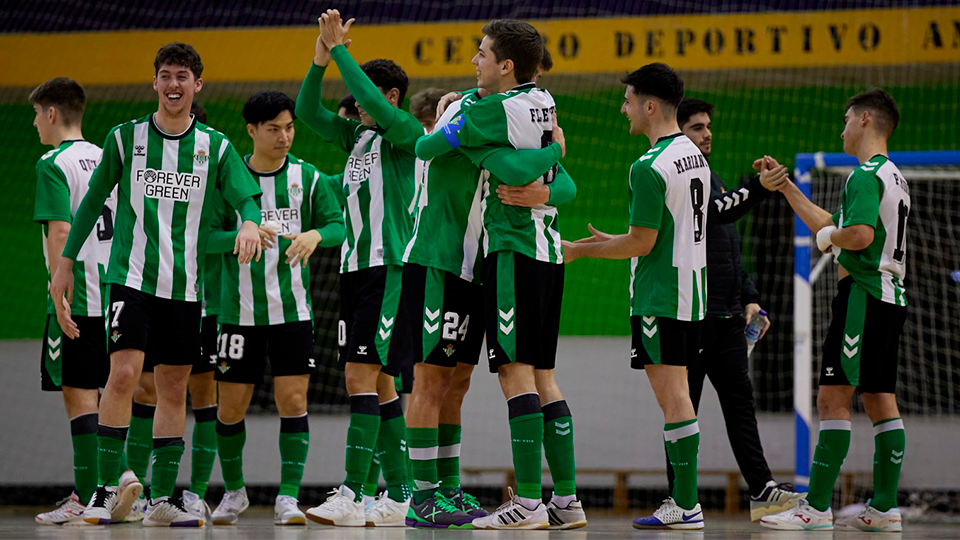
(558,137)
(531,195)
(445,102)
(302,247)
(61,290)
(751,311)
(332,30)
(268,236)
(247,245)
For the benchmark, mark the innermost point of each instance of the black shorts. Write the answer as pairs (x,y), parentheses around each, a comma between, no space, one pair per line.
(664,341)
(75,363)
(440,319)
(368,313)
(862,327)
(244,351)
(207,360)
(167,330)
(522,298)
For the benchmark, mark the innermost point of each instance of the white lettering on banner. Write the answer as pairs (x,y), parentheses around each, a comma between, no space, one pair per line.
(172,185)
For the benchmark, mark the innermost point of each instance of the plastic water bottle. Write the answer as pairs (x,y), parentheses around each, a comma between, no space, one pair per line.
(754,328)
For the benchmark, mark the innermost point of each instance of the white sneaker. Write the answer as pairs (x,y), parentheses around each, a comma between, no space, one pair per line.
(671,516)
(872,520)
(513,515)
(233,503)
(194,505)
(286,511)
(386,512)
(68,511)
(569,517)
(367,501)
(137,510)
(128,493)
(339,510)
(169,512)
(101,506)
(774,498)
(801,518)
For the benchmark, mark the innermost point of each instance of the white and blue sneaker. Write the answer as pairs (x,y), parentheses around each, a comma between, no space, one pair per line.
(671,516)
(801,518)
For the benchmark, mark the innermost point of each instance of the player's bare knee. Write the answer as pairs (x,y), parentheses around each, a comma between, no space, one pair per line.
(360,379)
(78,401)
(833,402)
(291,404)
(880,406)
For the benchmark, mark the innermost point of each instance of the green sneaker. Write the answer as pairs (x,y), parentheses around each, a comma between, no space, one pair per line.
(438,512)
(467,502)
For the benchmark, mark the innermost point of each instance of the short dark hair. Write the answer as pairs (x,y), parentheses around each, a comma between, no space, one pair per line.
(881,105)
(517,41)
(546,63)
(349,103)
(178,54)
(423,104)
(65,94)
(198,112)
(691,106)
(386,74)
(656,80)
(267,105)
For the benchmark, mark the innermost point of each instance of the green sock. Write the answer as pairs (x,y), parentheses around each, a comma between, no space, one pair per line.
(392,450)
(294,443)
(558,447)
(683,444)
(124,465)
(448,457)
(109,451)
(373,478)
(526,440)
(423,453)
(832,446)
(890,441)
(167,452)
(203,449)
(140,439)
(230,441)
(83,433)
(361,441)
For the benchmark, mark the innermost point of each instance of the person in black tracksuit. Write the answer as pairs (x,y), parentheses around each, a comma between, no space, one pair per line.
(732,300)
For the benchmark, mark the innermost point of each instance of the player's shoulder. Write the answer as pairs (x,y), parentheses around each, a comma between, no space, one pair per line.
(870,170)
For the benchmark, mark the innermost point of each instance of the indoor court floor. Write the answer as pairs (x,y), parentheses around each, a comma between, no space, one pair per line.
(256,523)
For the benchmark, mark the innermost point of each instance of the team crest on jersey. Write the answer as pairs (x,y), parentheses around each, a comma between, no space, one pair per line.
(295,191)
(201,157)
(449,350)
(115,336)
(223,367)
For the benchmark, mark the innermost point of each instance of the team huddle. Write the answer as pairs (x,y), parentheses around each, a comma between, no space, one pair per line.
(195,262)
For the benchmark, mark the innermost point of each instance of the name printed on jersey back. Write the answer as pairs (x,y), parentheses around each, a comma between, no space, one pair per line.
(695,161)
(359,168)
(88,165)
(543,115)
(171,185)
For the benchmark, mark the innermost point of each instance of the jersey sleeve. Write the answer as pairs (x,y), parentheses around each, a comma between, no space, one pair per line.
(235,182)
(483,125)
(326,213)
(102,181)
(515,167)
(861,199)
(223,231)
(563,189)
(648,194)
(53,193)
(335,130)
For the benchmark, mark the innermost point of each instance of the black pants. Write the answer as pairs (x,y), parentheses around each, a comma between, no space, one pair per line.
(724,360)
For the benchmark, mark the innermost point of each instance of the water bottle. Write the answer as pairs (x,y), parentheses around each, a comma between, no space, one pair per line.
(754,328)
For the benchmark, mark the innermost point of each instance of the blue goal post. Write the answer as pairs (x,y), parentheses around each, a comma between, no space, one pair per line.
(805,276)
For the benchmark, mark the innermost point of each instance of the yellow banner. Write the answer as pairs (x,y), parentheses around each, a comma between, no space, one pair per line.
(589,45)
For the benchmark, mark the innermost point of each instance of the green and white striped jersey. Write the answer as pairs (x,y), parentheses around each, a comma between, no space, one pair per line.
(378,187)
(212,267)
(521,118)
(165,202)
(63,177)
(877,194)
(271,291)
(449,218)
(669,192)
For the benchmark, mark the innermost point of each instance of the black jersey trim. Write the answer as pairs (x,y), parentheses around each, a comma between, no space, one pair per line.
(665,137)
(278,170)
(165,135)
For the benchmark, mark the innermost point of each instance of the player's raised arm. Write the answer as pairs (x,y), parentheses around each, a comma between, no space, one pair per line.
(334,129)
